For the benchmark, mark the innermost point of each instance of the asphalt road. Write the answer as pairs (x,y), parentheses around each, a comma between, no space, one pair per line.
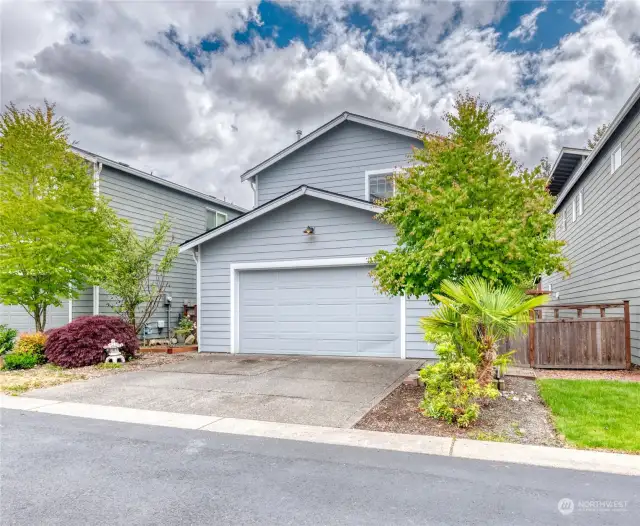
(63,470)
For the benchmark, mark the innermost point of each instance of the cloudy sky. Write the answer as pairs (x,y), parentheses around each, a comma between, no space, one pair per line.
(200,91)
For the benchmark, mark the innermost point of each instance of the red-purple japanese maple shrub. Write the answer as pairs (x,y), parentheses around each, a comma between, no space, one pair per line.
(82,341)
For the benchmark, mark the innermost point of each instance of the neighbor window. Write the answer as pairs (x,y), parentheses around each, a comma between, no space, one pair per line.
(616,159)
(380,186)
(215,218)
(580,203)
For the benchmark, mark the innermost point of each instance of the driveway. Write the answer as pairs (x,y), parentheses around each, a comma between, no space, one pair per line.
(323,391)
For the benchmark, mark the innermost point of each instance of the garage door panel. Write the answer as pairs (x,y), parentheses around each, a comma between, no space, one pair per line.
(332,311)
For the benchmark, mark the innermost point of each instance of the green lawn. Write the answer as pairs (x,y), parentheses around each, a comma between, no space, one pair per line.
(595,413)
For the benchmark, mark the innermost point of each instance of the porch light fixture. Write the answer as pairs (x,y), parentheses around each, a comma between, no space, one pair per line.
(308,231)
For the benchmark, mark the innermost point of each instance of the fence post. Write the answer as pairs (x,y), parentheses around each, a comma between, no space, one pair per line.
(627,333)
(532,337)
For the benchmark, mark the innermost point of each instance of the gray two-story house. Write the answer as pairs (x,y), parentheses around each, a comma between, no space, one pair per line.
(598,215)
(292,275)
(142,199)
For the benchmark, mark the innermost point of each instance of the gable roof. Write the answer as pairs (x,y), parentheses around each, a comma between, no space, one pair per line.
(94,157)
(277,203)
(343,117)
(622,114)
(565,164)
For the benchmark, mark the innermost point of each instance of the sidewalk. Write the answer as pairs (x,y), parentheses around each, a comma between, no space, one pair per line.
(474,449)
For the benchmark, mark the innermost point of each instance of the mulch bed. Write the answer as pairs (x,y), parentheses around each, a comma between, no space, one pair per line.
(517,416)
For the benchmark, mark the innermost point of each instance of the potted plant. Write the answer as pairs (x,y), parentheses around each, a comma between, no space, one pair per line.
(184,328)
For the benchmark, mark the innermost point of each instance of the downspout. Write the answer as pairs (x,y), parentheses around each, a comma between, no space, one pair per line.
(97,170)
(196,257)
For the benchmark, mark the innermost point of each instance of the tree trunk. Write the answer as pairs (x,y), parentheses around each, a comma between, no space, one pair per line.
(40,317)
(485,370)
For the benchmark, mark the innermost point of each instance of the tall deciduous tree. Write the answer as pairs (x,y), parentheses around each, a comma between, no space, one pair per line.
(136,275)
(467,209)
(54,231)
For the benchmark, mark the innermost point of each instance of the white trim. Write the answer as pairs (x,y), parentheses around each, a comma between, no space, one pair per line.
(70,309)
(196,257)
(403,327)
(254,187)
(635,97)
(96,300)
(92,157)
(234,290)
(346,116)
(276,203)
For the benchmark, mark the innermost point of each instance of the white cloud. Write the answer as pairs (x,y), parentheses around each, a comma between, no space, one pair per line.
(149,106)
(528,25)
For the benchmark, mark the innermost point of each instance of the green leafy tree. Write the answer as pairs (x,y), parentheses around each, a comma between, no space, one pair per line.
(136,275)
(54,231)
(467,209)
(476,316)
(595,138)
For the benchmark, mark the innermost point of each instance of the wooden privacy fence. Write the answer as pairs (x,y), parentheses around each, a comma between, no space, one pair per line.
(589,336)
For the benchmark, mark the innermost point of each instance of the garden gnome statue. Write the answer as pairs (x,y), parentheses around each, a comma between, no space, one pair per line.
(113,352)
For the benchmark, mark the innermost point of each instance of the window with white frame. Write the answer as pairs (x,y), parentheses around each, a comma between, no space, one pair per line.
(565,218)
(573,211)
(380,185)
(580,203)
(616,159)
(215,218)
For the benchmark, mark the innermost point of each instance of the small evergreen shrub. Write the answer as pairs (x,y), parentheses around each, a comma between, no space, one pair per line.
(82,341)
(19,361)
(452,390)
(7,339)
(32,343)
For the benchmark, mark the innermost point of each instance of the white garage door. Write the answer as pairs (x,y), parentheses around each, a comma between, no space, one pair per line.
(321,311)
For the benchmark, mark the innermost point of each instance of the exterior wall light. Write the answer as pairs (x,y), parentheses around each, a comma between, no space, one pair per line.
(308,231)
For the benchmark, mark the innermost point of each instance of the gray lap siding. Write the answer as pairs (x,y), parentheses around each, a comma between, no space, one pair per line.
(340,232)
(336,162)
(144,203)
(603,245)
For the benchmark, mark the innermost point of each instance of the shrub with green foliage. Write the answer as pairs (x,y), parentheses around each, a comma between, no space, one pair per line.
(7,339)
(19,360)
(452,390)
(33,344)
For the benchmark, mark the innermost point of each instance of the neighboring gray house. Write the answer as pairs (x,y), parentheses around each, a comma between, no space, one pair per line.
(291,275)
(143,199)
(598,215)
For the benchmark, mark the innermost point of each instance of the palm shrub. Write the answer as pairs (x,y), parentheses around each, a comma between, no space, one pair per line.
(476,316)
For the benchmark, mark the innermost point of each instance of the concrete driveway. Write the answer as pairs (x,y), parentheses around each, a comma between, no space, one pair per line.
(323,391)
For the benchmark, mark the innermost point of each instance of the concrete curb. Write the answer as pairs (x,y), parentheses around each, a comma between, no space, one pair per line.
(583,460)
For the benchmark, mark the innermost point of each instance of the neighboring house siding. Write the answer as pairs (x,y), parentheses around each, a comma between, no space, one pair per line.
(336,161)
(603,245)
(340,231)
(17,318)
(144,203)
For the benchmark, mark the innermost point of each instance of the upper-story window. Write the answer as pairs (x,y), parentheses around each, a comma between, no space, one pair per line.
(574,214)
(379,185)
(580,200)
(616,158)
(215,218)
